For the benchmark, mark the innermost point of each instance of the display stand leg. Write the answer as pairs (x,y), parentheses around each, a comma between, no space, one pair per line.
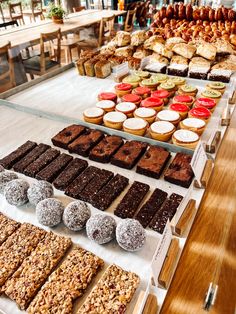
(205,175)
(185,218)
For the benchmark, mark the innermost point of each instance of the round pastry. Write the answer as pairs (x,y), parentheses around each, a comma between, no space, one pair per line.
(75,215)
(49,212)
(130,235)
(170,116)
(132,98)
(213,94)
(160,78)
(135,126)
(101,228)
(162,130)
(193,124)
(108,96)
(208,103)
(181,109)
(184,99)
(1,168)
(114,120)
(151,83)
(200,113)
(38,191)
(188,90)
(93,115)
(142,74)
(6,177)
(127,108)
(132,79)
(148,114)
(143,92)
(218,86)
(185,138)
(15,192)
(106,105)
(161,94)
(178,81)
(169,87)
(123,89)
(152,102)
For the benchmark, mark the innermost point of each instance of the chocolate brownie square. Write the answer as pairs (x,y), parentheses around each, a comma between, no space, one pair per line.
(8,161)
(180,71)
(180,171)
(104,150)
(86,142)
(127,156)
(153,162)
(67,135)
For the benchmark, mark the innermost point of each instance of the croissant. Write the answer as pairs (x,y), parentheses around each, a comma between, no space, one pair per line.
(211,15)
(196,14)
(176,10)
(225,13)
(218,14)
(231,15)
(163,12)
(170,11)
(182,12)
(189,12)
(203,14)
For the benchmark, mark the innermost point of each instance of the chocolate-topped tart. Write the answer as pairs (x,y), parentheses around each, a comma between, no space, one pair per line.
(185,138)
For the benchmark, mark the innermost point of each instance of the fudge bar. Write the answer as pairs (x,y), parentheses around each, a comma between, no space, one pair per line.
(167,211)
(67,135)
(86,142)
(77,186)
(7,227)
(179,171)
(112,293)
(35,269)
(99,180)
(17,247)
(8,161)
(177,69)
(30,157)
(153,162)
(129,154)
(75,167)
(67,283)
(132,199)
(41,162)
(104,150)
(54,168)
(103,199)
(151,207)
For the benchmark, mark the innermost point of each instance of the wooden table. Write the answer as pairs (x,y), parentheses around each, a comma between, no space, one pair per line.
(27,35)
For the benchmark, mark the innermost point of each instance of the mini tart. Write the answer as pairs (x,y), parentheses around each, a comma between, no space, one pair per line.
(178,81)
(136,126)
(143,92)
(170,116)
(184,99)
(114,120)
(169,87)
(150,83)
(147,114)
(218,86)
(188,90)
(185,138)
(132,98)
(181,109)
(132,79)
(200,113)
(193,124)
(162,94)
(127,108)
(106,105)
(160,78)
(142,74)
(213,94)
(108,96)
(208,103)
(123,89)
(93,115)
(152,102)
(162,130)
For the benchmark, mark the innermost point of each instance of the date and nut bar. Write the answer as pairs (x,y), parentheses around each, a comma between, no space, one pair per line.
(7,227)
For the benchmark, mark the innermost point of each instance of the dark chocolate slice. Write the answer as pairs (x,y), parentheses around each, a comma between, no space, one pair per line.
(68,135)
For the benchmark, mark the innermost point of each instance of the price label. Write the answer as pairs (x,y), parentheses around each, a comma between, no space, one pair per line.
(121,69)
(182,206)
(160,253)
(198,161)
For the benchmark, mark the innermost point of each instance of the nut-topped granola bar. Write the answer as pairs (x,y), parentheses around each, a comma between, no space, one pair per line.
(7,227)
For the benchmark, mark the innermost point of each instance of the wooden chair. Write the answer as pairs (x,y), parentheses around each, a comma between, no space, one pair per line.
(7,77)
(15,12)
(79,9)
(129,20)
(35,11)
(43,63)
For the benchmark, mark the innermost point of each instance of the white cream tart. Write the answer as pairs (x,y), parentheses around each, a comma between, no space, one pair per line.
(126,108)
(135,126)
(169,115)
(114,119)
(185,138)
(106,105)
(93,115)
(162,130)
(193,124)
(147,114)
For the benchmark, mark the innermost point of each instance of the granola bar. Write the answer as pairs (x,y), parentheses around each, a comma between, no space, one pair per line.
(67,283)
(33,272)
(17,247)
(7,227)
(112,293)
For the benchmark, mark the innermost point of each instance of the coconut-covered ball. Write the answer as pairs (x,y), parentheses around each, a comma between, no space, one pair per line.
(101,228)
(15,192)
(49,212)
(76,215)
(130,235)
(6,177)
(1,168)
(39,191)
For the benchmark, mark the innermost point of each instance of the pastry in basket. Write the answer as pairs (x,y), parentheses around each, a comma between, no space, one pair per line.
(199,68)
(122,38)
(138,37)
(126,51)
(184,50)
(93,115)
(185,138)
(136,126)
(193,124)
(207,51)
(161,130)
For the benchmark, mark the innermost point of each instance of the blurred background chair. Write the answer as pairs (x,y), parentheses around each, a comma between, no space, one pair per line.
(7,77)
(15,13)
(36,10)
(129,20)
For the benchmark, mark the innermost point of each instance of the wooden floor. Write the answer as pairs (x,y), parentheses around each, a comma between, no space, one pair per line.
(210,253)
